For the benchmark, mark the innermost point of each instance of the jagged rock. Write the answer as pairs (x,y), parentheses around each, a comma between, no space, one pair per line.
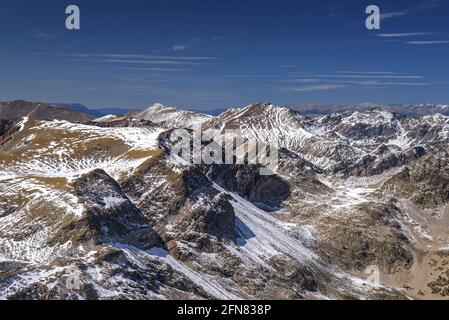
(170,117)
(425,181)
(109,215)
(123,122)
(384,160)
(6,126)
(187,201)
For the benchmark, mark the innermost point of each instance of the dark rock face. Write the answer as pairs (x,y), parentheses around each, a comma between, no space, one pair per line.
(5,128)
(365,131)
(110,215)
(187,201)
(356,246)
(268,191)
(384,159)
(426,180)
(5,125)
(216,216)
(147,279)
(381,131)
(123,123)
(440,285)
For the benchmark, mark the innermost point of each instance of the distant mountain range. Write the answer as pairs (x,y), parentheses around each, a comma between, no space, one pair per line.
(100,112)
(313,110)
(15,110)
(79,112)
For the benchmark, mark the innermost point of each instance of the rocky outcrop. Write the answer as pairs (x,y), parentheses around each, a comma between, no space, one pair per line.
(187,202)
(5,125)
(6,129)
(384,159)
(109,216)
(122,122)
(356,245)
(267,191)
(425,182)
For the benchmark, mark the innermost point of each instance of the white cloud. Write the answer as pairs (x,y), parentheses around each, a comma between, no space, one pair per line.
(359,82)
(364,79)
(42,35)
(399,35)
(367,72)
(389,15)
(156,62)
(430,42)
(362,76)
(318,87)
(422,6)
(136,56)
(180,47)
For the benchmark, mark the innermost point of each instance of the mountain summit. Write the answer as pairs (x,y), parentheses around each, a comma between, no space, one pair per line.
(170,117)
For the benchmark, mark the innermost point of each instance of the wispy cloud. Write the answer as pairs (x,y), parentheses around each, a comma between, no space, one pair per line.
(318,87)
(389,15)
(155,62)
(42,35)
(137,56)
(400,35)
(362,76)
(344,79)
(361,82)
(367,72)
(287,66)
(422,6)
(138,62)
(155,69)
(429,42)
(180,47)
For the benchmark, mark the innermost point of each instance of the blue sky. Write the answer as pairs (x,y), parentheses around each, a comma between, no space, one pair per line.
(208,54)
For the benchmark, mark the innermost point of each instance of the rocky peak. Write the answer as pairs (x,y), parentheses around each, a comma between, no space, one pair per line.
(109,215)
(171,117)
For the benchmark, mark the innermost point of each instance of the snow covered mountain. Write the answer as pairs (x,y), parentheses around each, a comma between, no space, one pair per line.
(99,210)
(415,110)
(170,117)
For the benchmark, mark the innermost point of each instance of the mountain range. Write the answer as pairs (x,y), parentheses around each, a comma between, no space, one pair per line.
(310,110)
(96,208)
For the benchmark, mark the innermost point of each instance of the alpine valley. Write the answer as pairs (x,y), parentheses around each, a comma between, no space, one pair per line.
(97,209)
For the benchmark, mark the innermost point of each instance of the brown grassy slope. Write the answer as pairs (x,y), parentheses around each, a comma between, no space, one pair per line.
(40,111)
